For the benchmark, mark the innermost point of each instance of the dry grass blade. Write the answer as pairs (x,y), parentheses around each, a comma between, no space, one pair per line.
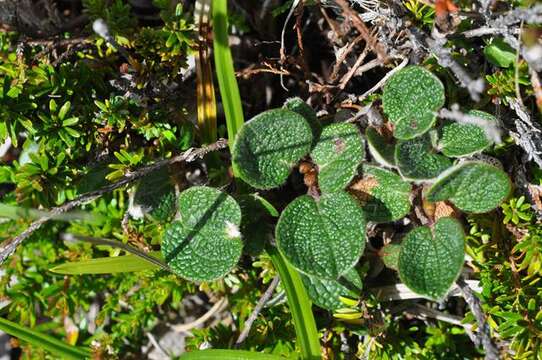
(205,90)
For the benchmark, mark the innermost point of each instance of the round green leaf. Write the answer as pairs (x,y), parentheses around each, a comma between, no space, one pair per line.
(410,98)
(431,259)
(323,237)
(325,293)
(465,139)
(337,153)
(417,161)
(205,244)
(382,151)
(269,145)
(472,186)
(386,197)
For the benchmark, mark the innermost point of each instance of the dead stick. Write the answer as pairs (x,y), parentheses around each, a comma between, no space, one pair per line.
(372,41)
(259,306)
(9,246)
(491,350)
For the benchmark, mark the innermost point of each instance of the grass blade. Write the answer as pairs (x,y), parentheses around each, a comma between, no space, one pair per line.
(114,243)
(213,354)
(204,75)
(49,343)
(300,306)
(18,212)
(227,83)
(107,265)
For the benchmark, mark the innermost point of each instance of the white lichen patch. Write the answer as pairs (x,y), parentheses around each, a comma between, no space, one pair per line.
(232,230)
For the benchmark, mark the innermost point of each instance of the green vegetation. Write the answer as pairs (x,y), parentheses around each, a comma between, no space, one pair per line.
(347,221)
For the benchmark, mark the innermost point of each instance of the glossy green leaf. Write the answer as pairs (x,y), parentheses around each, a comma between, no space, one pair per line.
(338,153)
(266,148)
(107,265)
(410,98)
(155,194)
(300,306)
(64,110)
(383,194)
(218,354)
(205,244)
(382,151)
(499,53)
(473,186)
(323,237)
(58,348)
(417,159)
(325,293)
(465,139)
(255,227)
(70,121)
(431,258)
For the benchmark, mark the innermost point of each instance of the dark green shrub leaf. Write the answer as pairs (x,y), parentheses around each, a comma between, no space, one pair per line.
(472,186)
(431,259)
(254,227)
(382,151)
(337,153)
(325,293)
(323,237)
(205,244)
(155,194)
(410,98)
(465,139)
(384,196)
(417,161)
(266,148)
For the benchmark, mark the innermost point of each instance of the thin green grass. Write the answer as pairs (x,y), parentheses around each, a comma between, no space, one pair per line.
(227,83)
(300,306)
(58,348)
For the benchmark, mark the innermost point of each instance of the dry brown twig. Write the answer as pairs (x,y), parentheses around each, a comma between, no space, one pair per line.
(346,78)
(383,80)
(528,134)
(9,246)
(253,70)
(378,48)
(491,350)
(216,308)
(537,88)
(341,57)
(257,309)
